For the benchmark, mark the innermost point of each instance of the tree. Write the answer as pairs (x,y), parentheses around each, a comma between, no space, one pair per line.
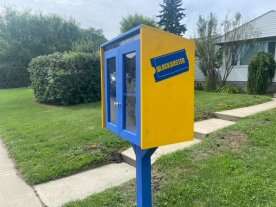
(233,31)
(207,53)
(89,42)
(261,72)
(132,21)
(171,16)
(24,35)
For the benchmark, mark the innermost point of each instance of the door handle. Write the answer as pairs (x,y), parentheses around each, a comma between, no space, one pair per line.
(117,104)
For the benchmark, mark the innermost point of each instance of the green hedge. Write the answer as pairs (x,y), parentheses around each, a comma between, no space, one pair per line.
(261,72)
(66,78)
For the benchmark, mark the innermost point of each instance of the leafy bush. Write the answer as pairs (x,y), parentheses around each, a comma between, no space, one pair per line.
(66,78)
(230,89)
(261,72)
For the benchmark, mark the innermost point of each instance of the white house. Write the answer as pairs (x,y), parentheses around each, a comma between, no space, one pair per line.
(264,41)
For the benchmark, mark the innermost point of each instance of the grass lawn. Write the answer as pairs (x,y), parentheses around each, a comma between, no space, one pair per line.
(235,167)
(48,142)
(207,102)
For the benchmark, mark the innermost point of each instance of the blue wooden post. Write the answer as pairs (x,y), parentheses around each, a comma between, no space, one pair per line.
(143,176)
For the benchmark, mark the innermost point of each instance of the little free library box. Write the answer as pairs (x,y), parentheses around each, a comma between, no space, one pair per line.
(148,87)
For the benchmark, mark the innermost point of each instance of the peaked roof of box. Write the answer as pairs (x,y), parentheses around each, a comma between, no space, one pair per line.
(126,35)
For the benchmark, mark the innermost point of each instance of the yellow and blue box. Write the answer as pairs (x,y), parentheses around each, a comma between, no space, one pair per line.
(148,87)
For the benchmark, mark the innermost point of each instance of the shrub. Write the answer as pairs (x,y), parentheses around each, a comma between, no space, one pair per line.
(66,78)
(261,72)
(230,89)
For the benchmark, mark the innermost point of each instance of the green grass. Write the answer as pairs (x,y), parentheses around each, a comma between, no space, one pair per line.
(208,102)
(48,142)
(235,167)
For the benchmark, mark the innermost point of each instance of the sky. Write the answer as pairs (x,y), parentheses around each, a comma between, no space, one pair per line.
(107,14)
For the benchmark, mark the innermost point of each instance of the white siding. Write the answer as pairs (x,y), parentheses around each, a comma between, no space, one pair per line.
(238,74)
(263,26)
(266,24)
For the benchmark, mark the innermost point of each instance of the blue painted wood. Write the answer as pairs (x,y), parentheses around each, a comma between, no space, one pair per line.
(114,127)
(126,35)
(118,128)
(143,176)
(134,46)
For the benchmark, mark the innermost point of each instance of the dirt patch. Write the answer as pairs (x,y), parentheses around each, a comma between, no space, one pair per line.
(156,179)
(94,149)
(205,115)
(234,140)
(116,157)
(263,122)
(222,142)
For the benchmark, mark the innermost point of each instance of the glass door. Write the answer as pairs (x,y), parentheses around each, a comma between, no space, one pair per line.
(130,92)
(112,92)
(122,91)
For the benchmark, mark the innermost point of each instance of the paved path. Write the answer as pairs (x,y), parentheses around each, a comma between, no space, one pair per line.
(81,185)
(14,192)
(129,155)
(236,114)
(206,127)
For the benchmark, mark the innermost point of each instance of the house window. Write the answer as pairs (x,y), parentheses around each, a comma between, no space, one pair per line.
(249,51)
(271,48)
(235,57)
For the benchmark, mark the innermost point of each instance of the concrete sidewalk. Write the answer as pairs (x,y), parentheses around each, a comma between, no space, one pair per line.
(14,192)
(129,155)
(81,185)
(236,114)
(206,127)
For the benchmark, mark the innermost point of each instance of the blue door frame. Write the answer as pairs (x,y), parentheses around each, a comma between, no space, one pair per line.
(114,127)
(118,128)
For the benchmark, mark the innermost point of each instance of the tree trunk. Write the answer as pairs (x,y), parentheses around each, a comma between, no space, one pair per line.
(211,84)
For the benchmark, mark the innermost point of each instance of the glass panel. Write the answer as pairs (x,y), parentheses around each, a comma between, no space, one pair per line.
(111,76)
(250,50)
(130,91)
(234,58)
(271,48)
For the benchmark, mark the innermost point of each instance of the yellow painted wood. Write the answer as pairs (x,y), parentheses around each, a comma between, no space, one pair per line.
(102,88)
(167,107)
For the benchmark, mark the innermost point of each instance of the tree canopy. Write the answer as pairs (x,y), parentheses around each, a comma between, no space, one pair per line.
(132,21)
(24,35)
(171,16)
